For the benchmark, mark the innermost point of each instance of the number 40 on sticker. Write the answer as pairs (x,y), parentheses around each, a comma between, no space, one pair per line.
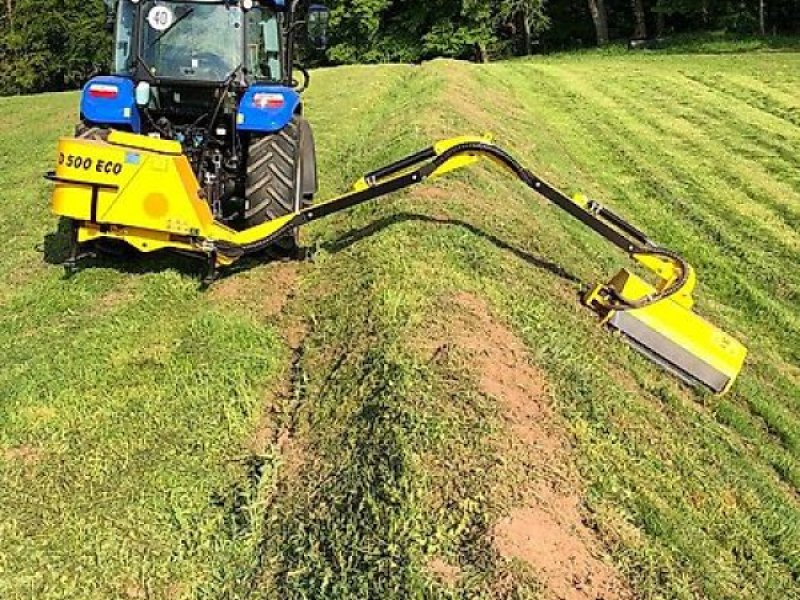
(160,18)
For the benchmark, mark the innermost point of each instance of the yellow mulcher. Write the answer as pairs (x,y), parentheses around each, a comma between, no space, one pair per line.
(144,192)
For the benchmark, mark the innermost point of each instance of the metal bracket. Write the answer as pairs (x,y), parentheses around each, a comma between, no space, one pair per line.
(71,266)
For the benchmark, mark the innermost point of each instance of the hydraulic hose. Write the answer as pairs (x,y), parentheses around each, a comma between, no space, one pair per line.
(622,304)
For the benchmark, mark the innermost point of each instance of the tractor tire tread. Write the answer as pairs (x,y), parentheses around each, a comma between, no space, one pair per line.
(272,164)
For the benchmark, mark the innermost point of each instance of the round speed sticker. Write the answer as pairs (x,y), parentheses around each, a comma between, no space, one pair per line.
(160,18)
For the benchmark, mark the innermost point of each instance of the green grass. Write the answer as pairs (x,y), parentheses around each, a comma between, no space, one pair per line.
(708,42)
(130,399)
(728,43)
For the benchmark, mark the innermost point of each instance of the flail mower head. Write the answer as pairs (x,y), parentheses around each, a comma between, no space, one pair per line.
(667,330)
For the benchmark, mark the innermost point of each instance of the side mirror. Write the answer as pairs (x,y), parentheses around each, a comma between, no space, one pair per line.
(317,23)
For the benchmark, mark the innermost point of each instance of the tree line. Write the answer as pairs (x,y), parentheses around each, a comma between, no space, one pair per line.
(49,45)
(411,30)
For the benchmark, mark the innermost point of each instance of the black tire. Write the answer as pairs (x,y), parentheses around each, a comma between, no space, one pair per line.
(273,185)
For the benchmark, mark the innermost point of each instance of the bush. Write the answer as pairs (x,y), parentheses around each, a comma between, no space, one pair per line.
(53,45)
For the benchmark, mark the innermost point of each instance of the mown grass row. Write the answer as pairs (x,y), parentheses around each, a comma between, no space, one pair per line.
(718,521)
(129,397)
(364,516)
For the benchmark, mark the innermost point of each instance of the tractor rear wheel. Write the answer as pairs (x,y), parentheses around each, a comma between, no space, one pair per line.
(274,178)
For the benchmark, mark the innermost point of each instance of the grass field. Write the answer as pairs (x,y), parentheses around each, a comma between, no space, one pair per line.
(425,410)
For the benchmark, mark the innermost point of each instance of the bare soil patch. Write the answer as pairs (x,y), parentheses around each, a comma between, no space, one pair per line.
(24,454)
(264,435)
(264,291)
(444,571)
(551,537)
(545,528)
(275,428)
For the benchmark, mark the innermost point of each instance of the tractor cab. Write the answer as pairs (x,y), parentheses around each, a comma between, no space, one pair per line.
(198,42)
(178,56)
(218,77)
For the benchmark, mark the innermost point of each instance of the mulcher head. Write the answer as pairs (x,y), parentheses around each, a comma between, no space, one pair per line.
(668,332)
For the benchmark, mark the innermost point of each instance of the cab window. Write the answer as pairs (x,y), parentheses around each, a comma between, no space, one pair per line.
(263,45)
(123,47)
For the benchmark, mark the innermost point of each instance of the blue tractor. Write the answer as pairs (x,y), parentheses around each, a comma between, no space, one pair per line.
(219,77)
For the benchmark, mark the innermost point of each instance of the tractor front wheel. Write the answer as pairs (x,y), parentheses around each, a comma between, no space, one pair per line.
(274,186)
